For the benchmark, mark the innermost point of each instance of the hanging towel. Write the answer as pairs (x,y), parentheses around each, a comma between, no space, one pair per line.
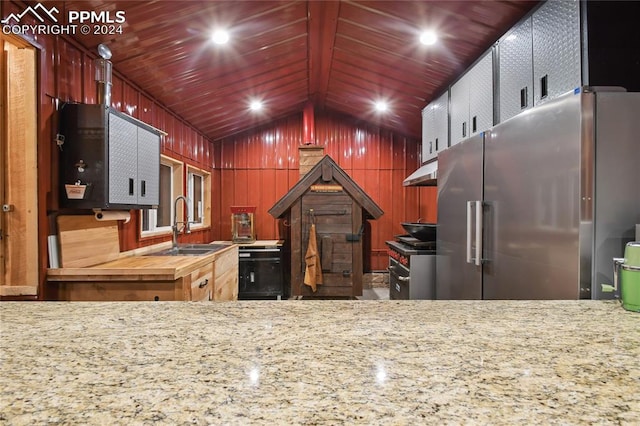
(313,270)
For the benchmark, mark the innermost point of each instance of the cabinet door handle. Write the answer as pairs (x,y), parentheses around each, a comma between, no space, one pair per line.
(474,124)
(431,147)
(524,97)
(436,144)
(478,231)
(131,186)
(143,188)
(204,283)
(464,129)
(478,259)
(544,86)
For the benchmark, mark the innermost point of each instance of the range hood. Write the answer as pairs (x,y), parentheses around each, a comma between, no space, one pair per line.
(424,176)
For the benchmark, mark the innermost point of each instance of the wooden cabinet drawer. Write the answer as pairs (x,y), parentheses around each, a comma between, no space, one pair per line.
(202,283)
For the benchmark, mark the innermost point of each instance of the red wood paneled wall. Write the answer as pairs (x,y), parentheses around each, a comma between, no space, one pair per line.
(259,167)
(67,75)
(255,168)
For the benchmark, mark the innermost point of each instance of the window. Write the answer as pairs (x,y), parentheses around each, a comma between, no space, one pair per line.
(199,197)
(159,221)
(196,195)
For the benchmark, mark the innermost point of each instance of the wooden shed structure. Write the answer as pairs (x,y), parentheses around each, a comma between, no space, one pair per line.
(327,197)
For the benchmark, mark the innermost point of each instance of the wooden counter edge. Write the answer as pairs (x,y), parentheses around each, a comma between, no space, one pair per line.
(111,271)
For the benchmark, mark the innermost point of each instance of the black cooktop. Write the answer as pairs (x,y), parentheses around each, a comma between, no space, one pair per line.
(408,245)
(416,243)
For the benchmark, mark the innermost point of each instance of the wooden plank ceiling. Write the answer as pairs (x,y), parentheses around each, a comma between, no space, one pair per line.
(340,55)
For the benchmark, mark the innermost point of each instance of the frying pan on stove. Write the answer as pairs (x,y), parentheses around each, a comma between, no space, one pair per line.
(421,231)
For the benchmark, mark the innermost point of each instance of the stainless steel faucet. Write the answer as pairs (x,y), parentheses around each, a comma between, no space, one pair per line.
(185,223)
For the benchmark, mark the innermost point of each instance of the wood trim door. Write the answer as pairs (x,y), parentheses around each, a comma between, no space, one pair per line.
(18,171)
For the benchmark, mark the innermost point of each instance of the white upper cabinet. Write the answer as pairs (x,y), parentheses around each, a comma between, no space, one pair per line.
(435,127)
(472,100)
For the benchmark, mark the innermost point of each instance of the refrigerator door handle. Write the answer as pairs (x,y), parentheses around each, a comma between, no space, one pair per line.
(469,259)
(478,259)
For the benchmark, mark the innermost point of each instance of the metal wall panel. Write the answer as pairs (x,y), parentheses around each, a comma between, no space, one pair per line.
(169,126)
(481,95)
(147,112)
(148,166)
(556,49)
(378,161)
(428,204)
(123,160)
(516,71)
(428,133)
(381,157)
(459,109)
(89,94)
(69,72)
(441,121)
(47,65)
(116,94)
(188,143)
(130,100)
(178,136)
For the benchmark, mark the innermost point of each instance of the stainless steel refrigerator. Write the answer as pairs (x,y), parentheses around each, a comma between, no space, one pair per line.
(539,205)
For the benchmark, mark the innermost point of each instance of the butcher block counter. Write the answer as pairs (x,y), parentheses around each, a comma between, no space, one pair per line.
(212,276)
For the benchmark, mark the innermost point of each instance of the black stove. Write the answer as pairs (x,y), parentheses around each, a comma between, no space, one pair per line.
(411,268)
(408,246)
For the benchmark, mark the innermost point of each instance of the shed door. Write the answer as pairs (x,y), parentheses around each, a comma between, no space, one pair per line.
(333,217)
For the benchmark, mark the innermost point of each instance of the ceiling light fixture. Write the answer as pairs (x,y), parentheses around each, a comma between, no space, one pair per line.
(255,105)
(381,106)
(428,38)
(220,36)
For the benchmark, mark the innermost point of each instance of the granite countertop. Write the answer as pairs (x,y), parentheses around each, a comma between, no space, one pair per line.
(319,362)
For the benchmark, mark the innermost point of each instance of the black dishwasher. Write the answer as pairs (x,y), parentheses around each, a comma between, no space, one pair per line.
(260,272)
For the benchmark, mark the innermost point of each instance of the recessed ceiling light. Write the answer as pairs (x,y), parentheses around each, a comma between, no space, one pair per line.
(220,36)
(381,106)
(255,105)
(428,38)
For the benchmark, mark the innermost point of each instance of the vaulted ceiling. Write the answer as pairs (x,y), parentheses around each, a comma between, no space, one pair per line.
(339,55)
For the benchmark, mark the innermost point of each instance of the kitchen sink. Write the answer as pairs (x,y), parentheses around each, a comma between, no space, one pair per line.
(189,250)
